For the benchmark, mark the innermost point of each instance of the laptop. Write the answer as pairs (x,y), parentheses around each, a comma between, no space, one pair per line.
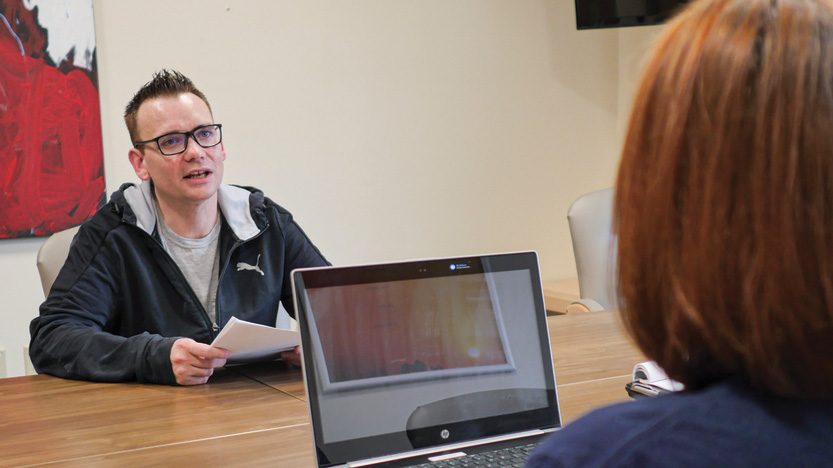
(426,361)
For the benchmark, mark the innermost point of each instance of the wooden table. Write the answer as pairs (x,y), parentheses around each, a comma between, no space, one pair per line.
(593,360)
(252,416)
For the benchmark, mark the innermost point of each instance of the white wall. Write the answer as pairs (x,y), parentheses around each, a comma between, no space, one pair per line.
(633,45)
(391,130)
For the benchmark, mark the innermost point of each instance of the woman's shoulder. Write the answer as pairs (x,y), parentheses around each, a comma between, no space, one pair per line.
(726,424)
(604,436)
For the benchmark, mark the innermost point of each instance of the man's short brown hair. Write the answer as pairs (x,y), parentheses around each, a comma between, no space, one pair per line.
(164,83)
(724,201)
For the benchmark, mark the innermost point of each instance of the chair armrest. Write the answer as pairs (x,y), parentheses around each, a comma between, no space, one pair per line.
(584,305)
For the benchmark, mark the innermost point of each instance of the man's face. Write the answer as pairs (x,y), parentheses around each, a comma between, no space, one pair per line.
(183,180)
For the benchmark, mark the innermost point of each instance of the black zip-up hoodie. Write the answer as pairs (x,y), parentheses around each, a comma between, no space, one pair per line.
(120,301)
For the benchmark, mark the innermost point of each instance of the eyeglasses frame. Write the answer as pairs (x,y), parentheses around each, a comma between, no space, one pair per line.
(189,136)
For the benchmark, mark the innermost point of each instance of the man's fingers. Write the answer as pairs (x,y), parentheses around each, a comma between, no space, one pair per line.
(217,354)
(192,380)
(293,357)
(192,375)
(208,352)
(193,363)
(208,363)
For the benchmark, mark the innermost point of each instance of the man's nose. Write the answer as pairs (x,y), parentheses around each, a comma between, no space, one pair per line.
(193,150)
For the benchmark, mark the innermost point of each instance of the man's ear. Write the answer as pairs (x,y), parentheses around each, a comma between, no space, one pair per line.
(137,160)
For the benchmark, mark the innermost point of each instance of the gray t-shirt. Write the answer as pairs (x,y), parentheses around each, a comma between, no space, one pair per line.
(199,261)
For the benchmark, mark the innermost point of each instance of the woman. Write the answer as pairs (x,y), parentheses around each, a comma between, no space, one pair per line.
(724,216)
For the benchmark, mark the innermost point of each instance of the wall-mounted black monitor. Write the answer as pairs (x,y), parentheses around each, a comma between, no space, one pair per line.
(594,14)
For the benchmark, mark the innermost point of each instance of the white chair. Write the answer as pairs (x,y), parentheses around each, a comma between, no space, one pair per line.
(590,219)
(52,255)
(51,258)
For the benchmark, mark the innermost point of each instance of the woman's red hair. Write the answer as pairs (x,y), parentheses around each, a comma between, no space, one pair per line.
(724,199)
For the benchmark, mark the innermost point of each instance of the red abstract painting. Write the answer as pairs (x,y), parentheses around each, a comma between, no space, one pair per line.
(51,153)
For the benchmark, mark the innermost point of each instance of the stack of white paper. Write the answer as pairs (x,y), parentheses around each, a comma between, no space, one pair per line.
(250,342)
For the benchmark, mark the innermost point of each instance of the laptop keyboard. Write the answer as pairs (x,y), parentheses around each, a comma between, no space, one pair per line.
(506,457)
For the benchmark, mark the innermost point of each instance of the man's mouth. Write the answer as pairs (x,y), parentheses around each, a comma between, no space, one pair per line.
(198,175)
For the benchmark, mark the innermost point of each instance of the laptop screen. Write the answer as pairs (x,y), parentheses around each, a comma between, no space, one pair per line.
(410,355)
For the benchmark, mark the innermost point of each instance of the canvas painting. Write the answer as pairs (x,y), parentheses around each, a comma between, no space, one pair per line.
(51,153)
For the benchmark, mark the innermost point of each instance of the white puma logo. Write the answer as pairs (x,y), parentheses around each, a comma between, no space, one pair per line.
(245,266)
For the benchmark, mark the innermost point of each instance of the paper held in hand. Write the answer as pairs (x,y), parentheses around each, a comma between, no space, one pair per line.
(250,342)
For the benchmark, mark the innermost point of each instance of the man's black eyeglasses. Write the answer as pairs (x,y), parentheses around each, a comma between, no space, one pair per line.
(174,143)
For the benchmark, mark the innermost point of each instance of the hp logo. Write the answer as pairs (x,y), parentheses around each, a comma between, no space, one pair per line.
(444,433)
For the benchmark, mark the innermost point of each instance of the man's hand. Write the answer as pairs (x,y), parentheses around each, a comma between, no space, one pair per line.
(293,357)
(193,363)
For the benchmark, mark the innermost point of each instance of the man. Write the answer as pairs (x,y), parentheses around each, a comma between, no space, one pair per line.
(157,271)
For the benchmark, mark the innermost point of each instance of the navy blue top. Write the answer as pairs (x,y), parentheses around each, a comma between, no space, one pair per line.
(724,425)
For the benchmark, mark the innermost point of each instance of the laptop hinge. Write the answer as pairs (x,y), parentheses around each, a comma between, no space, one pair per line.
(445,448)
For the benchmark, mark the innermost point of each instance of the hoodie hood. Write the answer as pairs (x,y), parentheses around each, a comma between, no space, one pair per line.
(235,204)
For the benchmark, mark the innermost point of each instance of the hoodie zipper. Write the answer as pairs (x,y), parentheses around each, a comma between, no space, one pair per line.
(212,327)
